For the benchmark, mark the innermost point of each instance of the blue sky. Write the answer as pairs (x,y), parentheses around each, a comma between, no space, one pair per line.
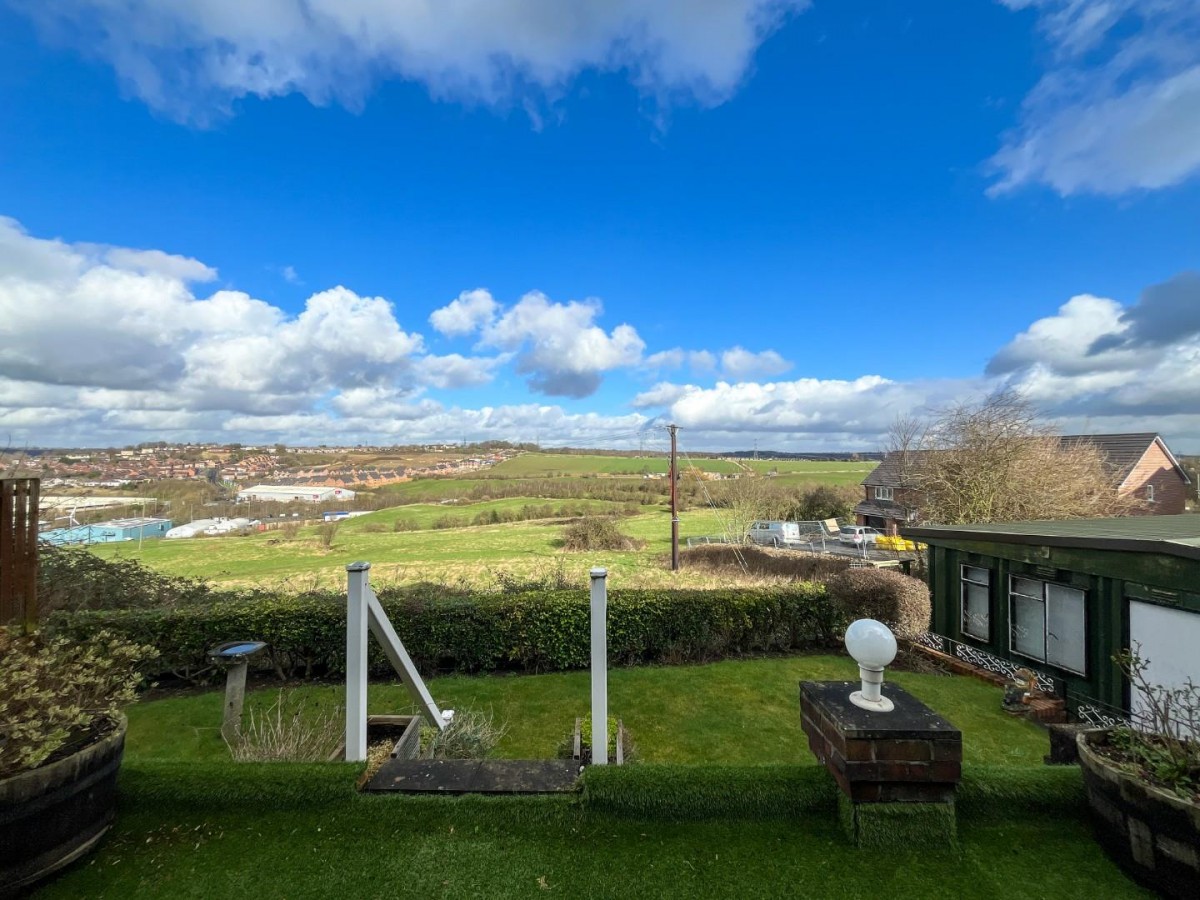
(769,221)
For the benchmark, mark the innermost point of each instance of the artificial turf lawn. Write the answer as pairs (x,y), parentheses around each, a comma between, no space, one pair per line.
(764,824)
(281,830)
(732,712)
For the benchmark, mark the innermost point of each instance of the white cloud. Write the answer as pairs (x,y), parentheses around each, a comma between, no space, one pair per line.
(851,411)
(192,59)
(1103,362)
(739,363)
(93,327)
(290,275)
(1062,341)
(101,347)
(700,361)
(466,314)
(456,371)
(155,261)
(1119,108)
(666,359)
(663,394)
(559,346)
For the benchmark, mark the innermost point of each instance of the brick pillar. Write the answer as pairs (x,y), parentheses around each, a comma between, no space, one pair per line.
(910,755)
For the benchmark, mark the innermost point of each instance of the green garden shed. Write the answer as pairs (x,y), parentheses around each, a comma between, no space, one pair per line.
(1062,597)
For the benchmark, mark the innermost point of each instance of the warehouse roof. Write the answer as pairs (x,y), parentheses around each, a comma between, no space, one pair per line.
(1171,535)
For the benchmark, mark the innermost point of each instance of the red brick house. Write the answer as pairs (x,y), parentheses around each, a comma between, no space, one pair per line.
(1142,466)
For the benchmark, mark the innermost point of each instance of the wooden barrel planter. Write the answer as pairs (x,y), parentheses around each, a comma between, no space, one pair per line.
(1152,834)
(54,814)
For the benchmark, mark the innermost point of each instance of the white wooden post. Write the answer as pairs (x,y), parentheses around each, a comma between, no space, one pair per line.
(356,661)
(599,667)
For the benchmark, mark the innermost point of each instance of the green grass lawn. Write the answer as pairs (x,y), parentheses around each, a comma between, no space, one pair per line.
(192,824)
(471,553)
(740,712)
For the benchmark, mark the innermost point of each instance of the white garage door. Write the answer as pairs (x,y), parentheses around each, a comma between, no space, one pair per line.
(1170,640)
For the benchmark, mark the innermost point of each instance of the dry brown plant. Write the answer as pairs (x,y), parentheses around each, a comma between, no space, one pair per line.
(994,461)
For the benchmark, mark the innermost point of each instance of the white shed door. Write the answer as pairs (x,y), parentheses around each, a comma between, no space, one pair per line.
(1169,639)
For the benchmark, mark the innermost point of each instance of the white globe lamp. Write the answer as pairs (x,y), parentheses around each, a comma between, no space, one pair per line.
(873,647)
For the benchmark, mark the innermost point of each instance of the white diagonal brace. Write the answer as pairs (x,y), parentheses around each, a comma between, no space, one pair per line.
(388,639)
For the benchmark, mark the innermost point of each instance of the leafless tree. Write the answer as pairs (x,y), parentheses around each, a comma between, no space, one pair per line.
(994,461)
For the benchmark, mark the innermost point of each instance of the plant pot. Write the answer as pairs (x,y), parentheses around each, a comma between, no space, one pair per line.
(1152,834)
(52,815)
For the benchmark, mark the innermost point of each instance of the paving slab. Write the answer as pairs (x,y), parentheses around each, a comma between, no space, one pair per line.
(468,776)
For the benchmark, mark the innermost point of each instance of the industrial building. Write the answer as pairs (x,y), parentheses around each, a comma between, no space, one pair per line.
(295,493)
(140,528)
(210,527)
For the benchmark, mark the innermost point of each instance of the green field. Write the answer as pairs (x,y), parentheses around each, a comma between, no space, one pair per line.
(850,472)
(471,554)
(547,465)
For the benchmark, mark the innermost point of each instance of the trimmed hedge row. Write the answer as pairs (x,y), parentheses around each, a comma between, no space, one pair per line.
(540,631)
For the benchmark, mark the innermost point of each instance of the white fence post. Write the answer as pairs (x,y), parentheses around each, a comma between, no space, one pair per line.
(356,661)
(599,608)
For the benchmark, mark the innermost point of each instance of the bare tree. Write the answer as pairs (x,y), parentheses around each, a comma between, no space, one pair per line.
(746,499)
(993,461)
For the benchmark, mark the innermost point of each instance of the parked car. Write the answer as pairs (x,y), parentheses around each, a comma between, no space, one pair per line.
(859,534)
(774,534)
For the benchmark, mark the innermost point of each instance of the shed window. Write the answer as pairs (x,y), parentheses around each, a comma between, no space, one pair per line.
(883,493)
(1049,623)
(976,605)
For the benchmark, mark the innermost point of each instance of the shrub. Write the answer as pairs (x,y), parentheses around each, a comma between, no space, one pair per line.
(535,631)
(898,601)
(284,732)
(327,533)
(469,735)
(1163,745)
(597,533)
(56,691)
(290,530)
(722,558)
(72,579)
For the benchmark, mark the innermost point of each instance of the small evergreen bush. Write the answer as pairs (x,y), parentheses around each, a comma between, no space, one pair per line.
(597,533)
(898,601)
(54,691)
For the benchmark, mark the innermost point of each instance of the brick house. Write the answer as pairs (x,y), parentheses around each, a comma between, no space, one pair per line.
(1141,464)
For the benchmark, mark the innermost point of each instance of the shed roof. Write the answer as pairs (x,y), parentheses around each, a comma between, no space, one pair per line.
(1171,535)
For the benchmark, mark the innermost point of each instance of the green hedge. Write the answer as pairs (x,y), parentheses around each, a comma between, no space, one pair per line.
(540,631)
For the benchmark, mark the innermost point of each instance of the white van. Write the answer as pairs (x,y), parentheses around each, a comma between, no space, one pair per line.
(774,534)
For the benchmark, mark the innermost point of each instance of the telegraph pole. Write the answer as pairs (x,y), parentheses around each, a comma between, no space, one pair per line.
(674,501)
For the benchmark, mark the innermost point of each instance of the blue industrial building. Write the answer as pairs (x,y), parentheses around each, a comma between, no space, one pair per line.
(140,528)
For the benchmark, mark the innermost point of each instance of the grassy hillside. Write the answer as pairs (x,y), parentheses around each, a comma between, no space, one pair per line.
(473,554)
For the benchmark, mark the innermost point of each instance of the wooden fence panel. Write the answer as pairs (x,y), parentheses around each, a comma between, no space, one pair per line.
(18,551)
